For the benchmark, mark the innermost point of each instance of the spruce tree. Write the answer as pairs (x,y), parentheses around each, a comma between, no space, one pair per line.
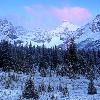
(50,88)
(30,91)
(5,56)
(42,87)
(72,57)
(91,88)
(65,91)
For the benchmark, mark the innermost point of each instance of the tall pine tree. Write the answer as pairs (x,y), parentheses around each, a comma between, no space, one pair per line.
(72,57)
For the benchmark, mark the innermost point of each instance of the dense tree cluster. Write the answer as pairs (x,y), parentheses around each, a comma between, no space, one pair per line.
(70,62)
(63,62)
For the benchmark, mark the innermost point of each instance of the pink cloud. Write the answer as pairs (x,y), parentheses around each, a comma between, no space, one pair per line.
(36,10)
(29,9)
(72,14)
(75,15)
(40,11)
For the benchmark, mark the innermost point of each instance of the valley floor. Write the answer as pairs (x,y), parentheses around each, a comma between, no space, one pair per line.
(77,88)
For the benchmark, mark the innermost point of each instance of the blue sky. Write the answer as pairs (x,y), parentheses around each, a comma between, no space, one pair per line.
(48,14)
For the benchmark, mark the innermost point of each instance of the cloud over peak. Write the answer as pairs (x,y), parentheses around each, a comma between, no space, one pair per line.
(72,14)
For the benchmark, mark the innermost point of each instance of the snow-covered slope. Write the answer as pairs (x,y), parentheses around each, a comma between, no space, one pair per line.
(77,88)
(62,33)
(19,34)
(39,37)
(87,36)
(65,27)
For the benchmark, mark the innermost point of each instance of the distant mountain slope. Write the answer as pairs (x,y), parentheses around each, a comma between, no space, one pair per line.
(87,36)
(39,37)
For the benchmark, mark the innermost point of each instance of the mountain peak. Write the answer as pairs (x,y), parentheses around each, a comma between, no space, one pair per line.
(65,27)
(60,36)
(69,26)
(98,16)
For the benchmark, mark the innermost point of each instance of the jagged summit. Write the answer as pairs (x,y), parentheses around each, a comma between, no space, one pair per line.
(37,36)
(65,26)
(69,26)
(87,36)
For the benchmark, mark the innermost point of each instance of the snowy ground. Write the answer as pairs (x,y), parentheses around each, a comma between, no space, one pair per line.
(77,88)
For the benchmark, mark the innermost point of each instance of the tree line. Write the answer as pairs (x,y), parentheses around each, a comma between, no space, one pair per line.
(64,62)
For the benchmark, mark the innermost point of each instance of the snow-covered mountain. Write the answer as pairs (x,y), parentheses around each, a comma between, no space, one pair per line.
(18,34)
(10,32)
(62,33)
(87,36)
